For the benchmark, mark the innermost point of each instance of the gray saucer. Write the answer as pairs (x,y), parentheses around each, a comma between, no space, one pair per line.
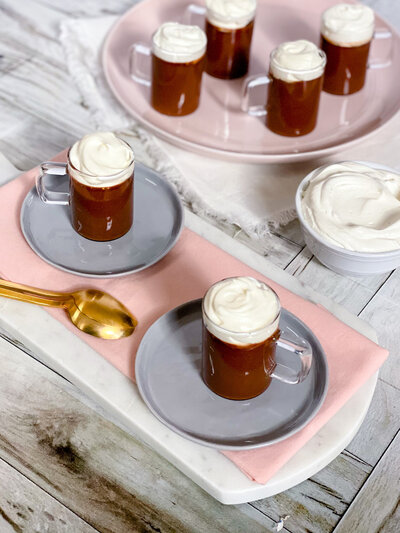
(168,366)
(158,220)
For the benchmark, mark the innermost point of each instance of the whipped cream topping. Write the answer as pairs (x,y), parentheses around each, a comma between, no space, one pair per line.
(101,159)
(179,43)
(230,14)
(348,24)
(297,61)
(241,311)
(354,206)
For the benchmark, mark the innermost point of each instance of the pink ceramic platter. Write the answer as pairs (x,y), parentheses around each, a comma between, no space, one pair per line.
(219,128)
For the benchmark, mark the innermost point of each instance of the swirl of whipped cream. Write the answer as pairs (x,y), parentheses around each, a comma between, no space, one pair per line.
(179,43)
(241,311)
(348,24)
(297,61)
(354,206)
(101,159)
(230,14)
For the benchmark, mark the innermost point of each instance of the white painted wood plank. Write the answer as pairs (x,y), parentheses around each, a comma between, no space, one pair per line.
(378,501)
(380,425)
(318,503)
(352,293)
(383,313)
(25,507)
(391,522)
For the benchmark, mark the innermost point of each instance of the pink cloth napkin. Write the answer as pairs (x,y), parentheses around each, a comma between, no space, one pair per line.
(184,274)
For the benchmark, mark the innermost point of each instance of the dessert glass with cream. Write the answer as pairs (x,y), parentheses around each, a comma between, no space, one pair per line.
(240,334)
(346,34)
(100,167)
(294,82)
(177,65)
(229,30)
(350,216)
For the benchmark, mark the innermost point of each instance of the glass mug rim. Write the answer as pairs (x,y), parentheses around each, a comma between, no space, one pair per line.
(299,71)
(116,175)
(241,333)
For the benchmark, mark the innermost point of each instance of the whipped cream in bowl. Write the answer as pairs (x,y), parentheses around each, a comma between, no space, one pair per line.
(100,159)
(179,43)
(350,216)
(230,14)
(241,311)
(298,60)
(348,25)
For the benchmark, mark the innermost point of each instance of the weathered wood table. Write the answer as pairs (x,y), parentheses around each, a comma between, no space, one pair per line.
(63,466)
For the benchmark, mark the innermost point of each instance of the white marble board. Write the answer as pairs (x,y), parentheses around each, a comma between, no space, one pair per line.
(68,355)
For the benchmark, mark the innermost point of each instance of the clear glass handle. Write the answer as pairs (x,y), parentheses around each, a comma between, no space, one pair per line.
(194,14)
(301,349)
(377,63)
(139,63)
(249,84)
(47,196)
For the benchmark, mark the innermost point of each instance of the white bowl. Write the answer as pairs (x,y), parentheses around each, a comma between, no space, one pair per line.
(339,259)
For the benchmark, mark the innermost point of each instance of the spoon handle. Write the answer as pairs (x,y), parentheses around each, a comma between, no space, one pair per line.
(32,295)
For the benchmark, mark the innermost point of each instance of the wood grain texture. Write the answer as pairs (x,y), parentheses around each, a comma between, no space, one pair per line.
(382,312)
(318,503)
(380,425)
(25,507)
(376,507)
(352,293)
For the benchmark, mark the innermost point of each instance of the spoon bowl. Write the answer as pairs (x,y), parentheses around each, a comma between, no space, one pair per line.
(90,310)
(100,314)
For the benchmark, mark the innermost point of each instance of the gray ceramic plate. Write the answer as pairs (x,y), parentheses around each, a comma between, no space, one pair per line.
(158,220)
(168,365)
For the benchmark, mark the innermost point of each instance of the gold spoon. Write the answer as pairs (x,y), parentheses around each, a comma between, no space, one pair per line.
(92,311)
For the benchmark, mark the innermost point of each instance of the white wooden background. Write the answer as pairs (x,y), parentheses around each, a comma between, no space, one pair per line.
(63,466)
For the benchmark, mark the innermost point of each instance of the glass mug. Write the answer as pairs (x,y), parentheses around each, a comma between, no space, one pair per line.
(243,370)
(348,62)
(97,213)
(292,106)
(228,40)
(175,80)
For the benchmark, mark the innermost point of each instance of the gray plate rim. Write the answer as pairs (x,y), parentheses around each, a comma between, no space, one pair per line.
(179,216)
(208,443)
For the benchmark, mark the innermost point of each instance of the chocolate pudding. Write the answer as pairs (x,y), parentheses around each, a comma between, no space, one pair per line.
(238,372)
(346,67)
(229,29)
(292,107)
(228,51)
(175,89)
(102,213)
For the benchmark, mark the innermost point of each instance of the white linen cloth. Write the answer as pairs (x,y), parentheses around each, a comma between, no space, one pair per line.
(255,197)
